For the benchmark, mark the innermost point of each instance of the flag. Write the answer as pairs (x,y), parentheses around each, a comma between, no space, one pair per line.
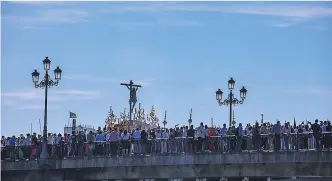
(294,123)
(72,115)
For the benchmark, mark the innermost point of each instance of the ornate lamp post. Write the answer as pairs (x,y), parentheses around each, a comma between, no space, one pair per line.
(165,122)
(262,118)
(46,83)
(233,122)
(132,96)
(190,116)
(231,100)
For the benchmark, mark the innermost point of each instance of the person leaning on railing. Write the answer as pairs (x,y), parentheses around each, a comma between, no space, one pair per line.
(285,136)
(201,133)
(317,133)
(223,139)
(190,137)
(91,143)
(264,136)
(256,137)
(99,143)
(114,141)
(125,141)
(276,130)
(73,144)
(239,136)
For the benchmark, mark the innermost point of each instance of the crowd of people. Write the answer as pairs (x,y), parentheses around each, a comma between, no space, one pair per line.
(178,140)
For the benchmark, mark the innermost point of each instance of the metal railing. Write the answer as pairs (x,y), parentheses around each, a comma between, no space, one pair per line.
(178,145)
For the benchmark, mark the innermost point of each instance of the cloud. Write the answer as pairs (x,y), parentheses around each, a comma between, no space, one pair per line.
(51,16)
(38,94)
(79,92)
(287,14)
(294,13)
(321,92)
(89,78)
(40,3)
(143,82)
(152,23)
(29,94)
(36,107)
(268,9)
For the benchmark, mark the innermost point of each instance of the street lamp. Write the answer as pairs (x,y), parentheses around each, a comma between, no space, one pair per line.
(132,96)
(165,122)
(262,118)
(190,116)
(46,83)
(231,100)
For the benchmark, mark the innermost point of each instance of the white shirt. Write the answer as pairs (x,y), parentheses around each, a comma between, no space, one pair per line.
(184,133)
(165,135)
(125,137)
(50,140)
(286,130)
(201,132)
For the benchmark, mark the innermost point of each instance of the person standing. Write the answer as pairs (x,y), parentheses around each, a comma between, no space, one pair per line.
(239,135)
(191,137)
(114,141)
(91,143)
(201,133)
(329,135)
(73,144)
(276,130)
(286,132)
(223,138)
(256,137)
(317,131)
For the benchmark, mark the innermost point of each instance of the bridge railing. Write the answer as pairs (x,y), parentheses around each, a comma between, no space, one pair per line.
(178,145)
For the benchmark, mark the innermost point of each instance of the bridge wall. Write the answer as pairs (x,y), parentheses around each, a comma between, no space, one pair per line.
(180,166)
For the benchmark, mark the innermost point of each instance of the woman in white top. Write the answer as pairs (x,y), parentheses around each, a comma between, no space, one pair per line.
(165,136)
(125,141)
(285,132)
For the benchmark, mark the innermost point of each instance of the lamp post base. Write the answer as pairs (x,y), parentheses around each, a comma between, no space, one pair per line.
(44,154)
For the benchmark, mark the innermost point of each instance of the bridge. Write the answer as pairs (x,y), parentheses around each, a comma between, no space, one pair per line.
(163,167)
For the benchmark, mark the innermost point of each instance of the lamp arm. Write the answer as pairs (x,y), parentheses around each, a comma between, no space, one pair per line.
(49,82)
(236,101)
(223,102)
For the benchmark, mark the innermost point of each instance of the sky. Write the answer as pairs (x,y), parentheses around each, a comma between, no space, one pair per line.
(180,52)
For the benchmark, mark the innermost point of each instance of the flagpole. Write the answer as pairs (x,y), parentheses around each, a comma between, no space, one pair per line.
(40,127)
(31,128)
(69,119)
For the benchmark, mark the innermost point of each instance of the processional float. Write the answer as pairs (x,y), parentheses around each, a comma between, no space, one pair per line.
(140,120)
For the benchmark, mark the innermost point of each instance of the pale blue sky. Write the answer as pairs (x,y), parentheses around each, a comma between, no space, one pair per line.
(180,52)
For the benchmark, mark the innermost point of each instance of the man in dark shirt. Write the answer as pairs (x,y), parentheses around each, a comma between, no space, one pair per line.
(317,130)
(328,136)
(190,136)
(80,143)
(73,144)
